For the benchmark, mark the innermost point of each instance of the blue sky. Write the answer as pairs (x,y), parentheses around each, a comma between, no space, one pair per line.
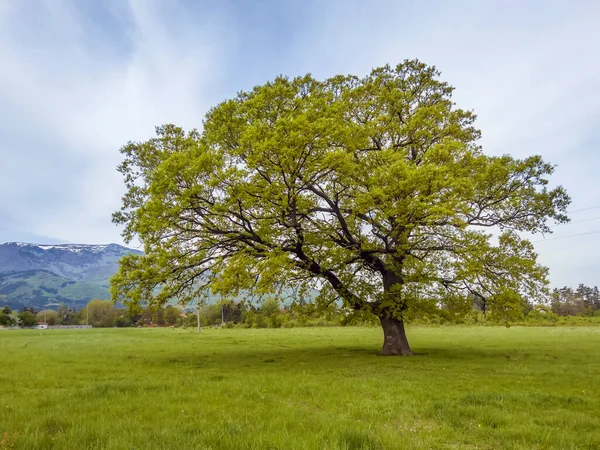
(81,78)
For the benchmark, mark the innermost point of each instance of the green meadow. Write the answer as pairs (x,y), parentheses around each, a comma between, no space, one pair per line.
(300,388)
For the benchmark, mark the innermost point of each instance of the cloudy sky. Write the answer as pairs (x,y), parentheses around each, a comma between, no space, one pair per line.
(79,79)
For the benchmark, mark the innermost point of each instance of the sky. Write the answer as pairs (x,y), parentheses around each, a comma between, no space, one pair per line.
(79,79)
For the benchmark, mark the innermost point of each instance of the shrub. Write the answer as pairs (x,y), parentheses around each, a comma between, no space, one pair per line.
(122,321)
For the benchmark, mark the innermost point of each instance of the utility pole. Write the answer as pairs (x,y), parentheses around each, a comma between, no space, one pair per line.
(198,313)
(222,311)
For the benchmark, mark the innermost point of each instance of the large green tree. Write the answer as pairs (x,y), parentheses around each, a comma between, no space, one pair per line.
(372,190)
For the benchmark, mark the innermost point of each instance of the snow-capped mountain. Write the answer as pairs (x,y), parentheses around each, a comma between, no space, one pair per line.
(37,273)
(79,262)
(68,247)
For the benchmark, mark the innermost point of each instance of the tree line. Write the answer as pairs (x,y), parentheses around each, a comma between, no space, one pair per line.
(270,314)
(583,301)
(98,313)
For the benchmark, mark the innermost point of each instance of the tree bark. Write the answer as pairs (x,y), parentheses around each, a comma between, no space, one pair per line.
(394,338)
(394,335)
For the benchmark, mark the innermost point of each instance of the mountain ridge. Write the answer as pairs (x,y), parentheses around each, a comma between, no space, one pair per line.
(41,274)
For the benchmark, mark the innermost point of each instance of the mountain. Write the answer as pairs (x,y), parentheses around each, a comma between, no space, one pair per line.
(47,275)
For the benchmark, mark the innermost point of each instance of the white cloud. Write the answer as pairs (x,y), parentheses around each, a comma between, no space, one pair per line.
(77,84)
(78,111)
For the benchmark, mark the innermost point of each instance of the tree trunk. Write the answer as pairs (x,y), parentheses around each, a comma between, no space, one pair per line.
(394,338)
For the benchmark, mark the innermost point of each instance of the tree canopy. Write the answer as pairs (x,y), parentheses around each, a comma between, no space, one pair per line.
(372,190)
(98,313)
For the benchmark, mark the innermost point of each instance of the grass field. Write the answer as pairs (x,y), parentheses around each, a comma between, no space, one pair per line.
(318,388)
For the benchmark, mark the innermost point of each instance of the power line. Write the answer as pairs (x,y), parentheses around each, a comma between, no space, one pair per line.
(565,237)
(584,209)
(577,221)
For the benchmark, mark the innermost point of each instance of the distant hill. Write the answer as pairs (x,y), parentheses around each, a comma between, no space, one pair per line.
(47,275)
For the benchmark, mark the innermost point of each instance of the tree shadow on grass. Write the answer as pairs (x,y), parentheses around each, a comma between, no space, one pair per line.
(279,358)
(287,356)
(490,354)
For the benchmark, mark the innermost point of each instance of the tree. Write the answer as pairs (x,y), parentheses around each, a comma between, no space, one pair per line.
(569,302)
(8,318)
(66,315)
(231,311)
(590,296)
(122,318)
(372,190)
(27,318)
(48,315)
(99,313)
(172,314)
(270,306)
(30,309)
(210,314)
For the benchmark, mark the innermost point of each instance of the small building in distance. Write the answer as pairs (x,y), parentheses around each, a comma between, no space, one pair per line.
(41,326)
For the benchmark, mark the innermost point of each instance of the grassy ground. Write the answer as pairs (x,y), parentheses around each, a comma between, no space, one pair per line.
(314,388)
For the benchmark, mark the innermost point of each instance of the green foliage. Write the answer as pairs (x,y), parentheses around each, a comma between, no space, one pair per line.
(358,318)
(190,320)
(553,321)
(27,318)
(270,307)
(156,316)
(8,318)
(542,313)
(171,315)
(122,319)
(231,311)
(506,306)
(67,315)
(297,389)
(209,315)
(269,315)
(582,301)
(372,190)
(99,313)
(47,315)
